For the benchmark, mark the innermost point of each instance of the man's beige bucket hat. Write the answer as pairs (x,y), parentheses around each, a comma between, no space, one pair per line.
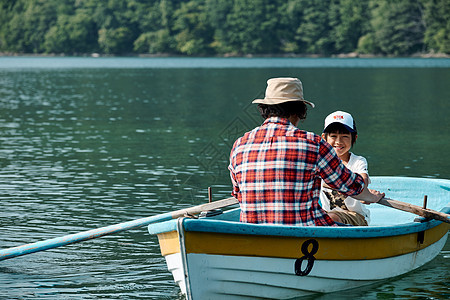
(284,89)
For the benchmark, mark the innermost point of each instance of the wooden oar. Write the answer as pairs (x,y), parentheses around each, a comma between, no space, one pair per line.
(417,210)
(424,212)
(99,232)
(112,229)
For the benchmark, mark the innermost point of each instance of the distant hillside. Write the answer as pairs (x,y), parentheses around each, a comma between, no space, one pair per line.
(225,27)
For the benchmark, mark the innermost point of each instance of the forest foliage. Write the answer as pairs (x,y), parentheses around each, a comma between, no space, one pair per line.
(225,27)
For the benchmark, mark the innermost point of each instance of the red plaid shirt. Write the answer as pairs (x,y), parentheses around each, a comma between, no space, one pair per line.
(276,171)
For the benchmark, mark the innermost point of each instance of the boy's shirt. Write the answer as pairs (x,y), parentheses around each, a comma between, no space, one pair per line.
(357,164)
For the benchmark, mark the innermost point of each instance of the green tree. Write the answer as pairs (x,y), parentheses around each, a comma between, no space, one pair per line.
(154,42)
(217,12)
(314,31)
(193,35)
(156,28)
(250,27)
(115,40)
(437,23)
(367,45)
(348,20)
(72,34)
(117,26)
(398,26)
(25,32)
(5,18)
(291,17)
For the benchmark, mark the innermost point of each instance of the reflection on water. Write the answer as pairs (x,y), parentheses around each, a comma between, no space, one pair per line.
(84,147)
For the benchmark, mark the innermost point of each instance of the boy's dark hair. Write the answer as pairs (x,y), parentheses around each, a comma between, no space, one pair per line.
(340,128)
(284,110)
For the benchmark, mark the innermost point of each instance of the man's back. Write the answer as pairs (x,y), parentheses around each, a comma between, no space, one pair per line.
(275,166)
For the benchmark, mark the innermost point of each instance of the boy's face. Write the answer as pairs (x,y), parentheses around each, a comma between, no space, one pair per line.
(341,142)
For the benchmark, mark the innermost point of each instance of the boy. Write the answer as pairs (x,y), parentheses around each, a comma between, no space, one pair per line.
(340,132)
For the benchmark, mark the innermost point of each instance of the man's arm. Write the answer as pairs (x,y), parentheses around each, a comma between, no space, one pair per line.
(368,196)
(335,166)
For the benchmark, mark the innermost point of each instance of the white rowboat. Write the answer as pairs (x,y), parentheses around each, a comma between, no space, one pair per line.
(218,257)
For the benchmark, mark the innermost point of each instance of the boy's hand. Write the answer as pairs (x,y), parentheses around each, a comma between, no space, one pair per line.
(375,196)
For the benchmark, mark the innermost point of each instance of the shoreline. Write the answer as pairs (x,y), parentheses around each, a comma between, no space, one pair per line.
(292,55)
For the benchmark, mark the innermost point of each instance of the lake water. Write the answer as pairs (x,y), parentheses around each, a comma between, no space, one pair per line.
(90,142)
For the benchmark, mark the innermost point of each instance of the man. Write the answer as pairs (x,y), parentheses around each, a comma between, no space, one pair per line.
(276,169)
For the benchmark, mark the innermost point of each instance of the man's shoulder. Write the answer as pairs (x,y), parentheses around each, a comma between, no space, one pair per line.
(262,132)
(245,137)
(307,135)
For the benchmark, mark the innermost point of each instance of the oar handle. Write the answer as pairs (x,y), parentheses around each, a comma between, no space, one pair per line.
(424,212)
(108,230)
(204,207)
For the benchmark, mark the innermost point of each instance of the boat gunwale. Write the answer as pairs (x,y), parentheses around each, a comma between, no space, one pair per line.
(236,227)
(228,222)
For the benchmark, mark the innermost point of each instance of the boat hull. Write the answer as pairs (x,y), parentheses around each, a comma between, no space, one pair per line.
(247,277)
(221,258)
(272,271)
